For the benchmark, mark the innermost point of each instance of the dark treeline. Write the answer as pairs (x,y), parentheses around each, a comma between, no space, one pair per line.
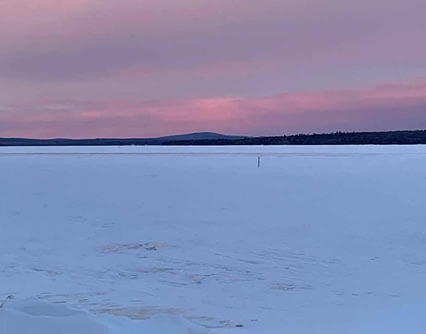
(337,138)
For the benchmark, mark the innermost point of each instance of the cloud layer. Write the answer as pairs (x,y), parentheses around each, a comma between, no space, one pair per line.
(383,107)
(87,68)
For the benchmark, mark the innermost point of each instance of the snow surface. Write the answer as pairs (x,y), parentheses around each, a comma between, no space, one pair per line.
(195,240)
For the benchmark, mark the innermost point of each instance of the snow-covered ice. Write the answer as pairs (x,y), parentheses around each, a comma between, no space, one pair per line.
(36,317)
(198,240)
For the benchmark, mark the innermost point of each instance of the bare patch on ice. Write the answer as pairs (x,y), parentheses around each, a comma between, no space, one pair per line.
(117,274)
(290,287)
(123,248)
(139,313)
(51,273)
(212,323)
(155,270)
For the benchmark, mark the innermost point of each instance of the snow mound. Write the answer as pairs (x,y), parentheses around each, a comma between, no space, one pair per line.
(36,317)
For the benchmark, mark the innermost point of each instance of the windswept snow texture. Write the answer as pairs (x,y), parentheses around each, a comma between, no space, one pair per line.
(36,317)
(200,240)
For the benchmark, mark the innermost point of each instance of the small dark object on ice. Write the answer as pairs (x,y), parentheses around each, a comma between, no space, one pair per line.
(239,325)
(2,304)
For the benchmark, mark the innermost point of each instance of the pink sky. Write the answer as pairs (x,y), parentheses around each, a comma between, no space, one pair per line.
(138,68)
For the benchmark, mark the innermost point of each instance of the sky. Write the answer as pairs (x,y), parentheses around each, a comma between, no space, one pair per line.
(143,68)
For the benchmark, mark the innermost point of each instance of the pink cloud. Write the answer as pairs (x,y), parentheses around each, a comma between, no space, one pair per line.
(381,107)
(211,65)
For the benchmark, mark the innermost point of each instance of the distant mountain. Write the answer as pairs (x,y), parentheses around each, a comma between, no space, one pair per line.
(116,141)
(200,136)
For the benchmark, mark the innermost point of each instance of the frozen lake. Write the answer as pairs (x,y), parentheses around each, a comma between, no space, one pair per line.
(317,240)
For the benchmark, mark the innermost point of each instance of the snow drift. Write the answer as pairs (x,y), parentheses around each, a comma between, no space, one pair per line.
(41,318)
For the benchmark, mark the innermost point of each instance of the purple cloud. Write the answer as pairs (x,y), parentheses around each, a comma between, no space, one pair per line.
(124,52)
